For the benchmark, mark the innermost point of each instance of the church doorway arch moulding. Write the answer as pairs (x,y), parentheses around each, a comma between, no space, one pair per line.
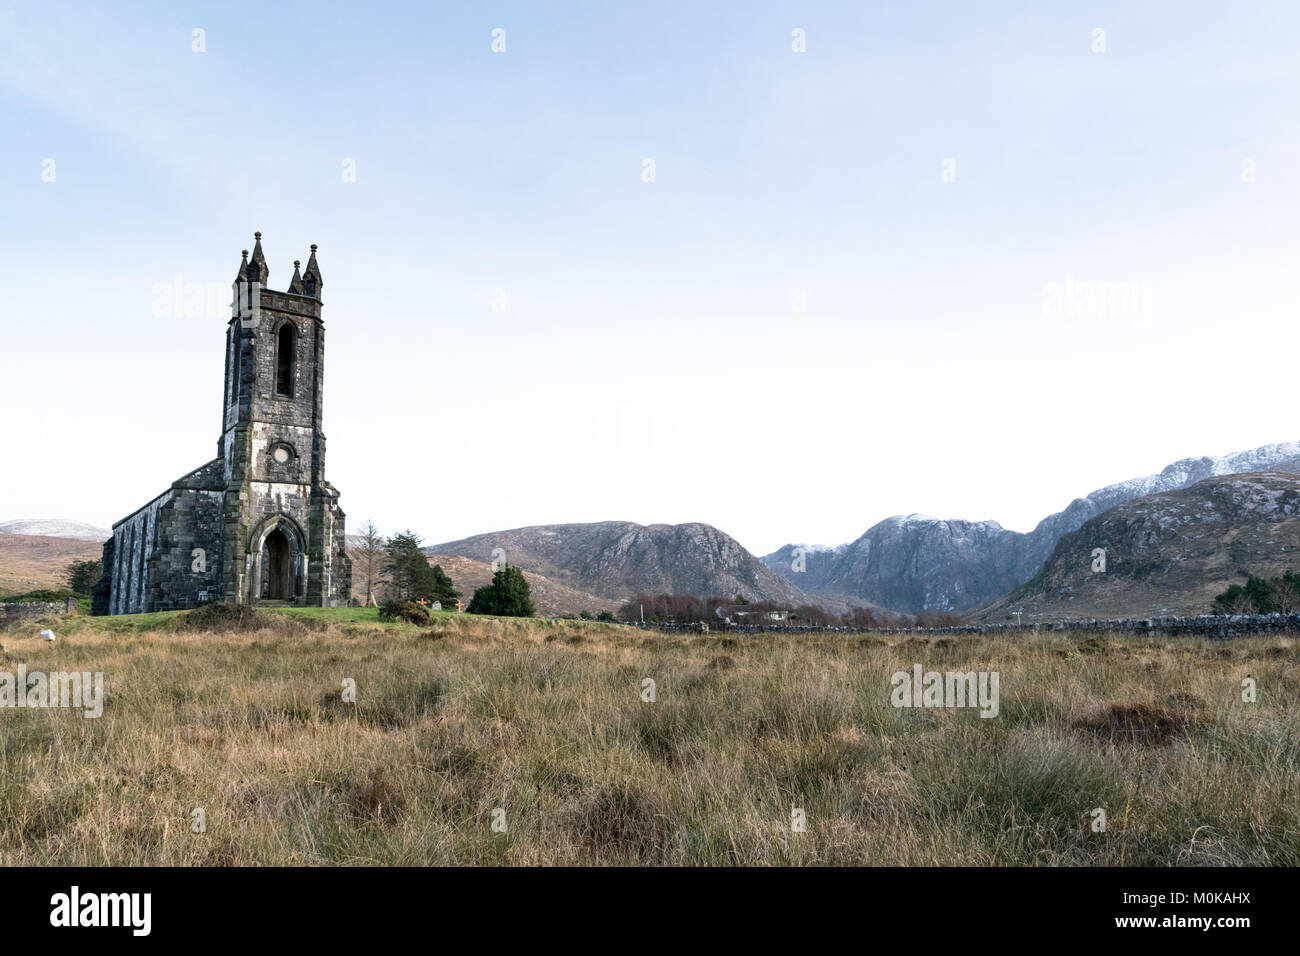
(278,557)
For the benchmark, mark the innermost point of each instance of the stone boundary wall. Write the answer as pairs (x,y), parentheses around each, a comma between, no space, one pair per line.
(10,613)
(1205,625)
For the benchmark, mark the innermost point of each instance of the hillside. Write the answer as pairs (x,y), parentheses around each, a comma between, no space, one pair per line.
(617,559)
(55,528)
(1167,553)
(917,563)
(551,598)
(34,562)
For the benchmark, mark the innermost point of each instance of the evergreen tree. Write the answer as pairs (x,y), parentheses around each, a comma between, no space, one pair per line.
(508,595)
(82,575)
(1261,596)
(1260,593)
(408,569)
(442,589)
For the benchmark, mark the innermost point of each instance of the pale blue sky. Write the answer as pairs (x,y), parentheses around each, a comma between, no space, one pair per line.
(649,364)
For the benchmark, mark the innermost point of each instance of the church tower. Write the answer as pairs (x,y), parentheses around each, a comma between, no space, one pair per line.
(283,535)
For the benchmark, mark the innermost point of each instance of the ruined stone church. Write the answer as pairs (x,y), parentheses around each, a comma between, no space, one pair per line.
(259,523)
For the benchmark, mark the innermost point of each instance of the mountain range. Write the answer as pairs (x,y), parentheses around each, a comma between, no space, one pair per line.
(907,563)
(916,563)
(618,559)
(1166,553)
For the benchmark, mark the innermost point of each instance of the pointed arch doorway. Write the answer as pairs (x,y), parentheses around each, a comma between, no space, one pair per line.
(277,557)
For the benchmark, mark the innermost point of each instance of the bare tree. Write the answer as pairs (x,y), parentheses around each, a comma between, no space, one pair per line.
(860,617)
(371,552)
(1286,595)
(1241,604)
(813,615)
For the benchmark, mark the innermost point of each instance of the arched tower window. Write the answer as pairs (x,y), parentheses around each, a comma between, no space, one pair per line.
(285,348)
(236,362)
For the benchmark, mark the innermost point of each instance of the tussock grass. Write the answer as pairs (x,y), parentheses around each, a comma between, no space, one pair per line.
(545,720)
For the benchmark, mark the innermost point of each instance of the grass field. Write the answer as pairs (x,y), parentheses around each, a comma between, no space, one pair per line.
(546,722)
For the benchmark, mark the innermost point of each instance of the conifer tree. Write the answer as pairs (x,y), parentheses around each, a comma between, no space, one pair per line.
(508,595)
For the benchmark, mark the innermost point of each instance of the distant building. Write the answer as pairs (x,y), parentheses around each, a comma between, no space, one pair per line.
(748,614)
(258,523)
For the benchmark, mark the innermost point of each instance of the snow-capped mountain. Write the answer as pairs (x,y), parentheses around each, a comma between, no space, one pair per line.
(916,563)
(1283,457)
(1167,553)
(55,528)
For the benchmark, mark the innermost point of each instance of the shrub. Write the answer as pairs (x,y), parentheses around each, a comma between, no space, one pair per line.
(605,616)
(39,597)
(407,611)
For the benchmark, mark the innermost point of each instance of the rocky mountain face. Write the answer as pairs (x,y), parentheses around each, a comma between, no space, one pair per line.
(916,563)
(1282,458)
(1166,553)
(617,559)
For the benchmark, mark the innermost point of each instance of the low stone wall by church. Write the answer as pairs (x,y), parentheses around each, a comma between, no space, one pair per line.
(22,611)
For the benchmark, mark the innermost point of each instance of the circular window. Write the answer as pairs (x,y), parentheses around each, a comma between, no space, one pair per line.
(281,455)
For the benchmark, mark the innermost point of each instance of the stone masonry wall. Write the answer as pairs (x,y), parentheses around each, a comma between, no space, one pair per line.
(14,613)
(187,565)
(134,541)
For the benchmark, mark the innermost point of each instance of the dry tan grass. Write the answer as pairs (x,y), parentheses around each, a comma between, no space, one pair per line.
(31,562)
(545,720)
